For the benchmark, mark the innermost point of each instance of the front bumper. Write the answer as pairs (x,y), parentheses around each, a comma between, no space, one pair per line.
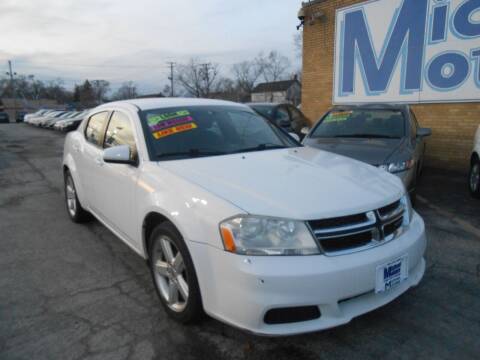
(239,290)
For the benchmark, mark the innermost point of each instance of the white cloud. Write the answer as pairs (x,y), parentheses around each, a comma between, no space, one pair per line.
(121,40)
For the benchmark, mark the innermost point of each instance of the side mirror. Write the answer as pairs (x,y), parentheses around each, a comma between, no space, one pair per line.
(295,136)
(424,132)
(305,130)
(120,154)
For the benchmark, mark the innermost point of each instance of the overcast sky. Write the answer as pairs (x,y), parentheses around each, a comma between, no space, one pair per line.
(120,40)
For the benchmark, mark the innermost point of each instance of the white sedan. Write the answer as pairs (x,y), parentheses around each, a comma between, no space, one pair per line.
(238,220)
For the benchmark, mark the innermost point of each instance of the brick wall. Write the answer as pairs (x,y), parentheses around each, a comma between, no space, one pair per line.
(453,125)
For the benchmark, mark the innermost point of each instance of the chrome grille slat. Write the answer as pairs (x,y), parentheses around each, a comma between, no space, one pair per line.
(382,225)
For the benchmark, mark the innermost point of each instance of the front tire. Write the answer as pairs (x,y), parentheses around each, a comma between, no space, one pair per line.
(75,211)
(174,275)
(474,178)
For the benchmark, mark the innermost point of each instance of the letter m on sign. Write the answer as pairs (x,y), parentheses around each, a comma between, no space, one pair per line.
(405,40)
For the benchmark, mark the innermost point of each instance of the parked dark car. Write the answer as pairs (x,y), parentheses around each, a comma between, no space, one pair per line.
(286,116)
(20,116)
(4,118)
(386,136)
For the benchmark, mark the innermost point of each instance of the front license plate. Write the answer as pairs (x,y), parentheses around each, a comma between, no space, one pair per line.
(391,275)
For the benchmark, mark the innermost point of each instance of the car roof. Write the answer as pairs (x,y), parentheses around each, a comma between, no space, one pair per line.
(156,103)
(371,106)
(265,104)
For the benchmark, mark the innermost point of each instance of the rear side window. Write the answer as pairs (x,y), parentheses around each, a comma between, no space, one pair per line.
(120,132)
(95,128)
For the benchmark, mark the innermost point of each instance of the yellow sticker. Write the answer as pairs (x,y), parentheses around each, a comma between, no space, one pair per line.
(174,130)
(338,116)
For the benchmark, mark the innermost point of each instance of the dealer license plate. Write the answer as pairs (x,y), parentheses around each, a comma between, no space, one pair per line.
(391,275)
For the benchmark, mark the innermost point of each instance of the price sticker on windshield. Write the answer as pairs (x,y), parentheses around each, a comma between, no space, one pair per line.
(162,125)
(337,116)
(174,130)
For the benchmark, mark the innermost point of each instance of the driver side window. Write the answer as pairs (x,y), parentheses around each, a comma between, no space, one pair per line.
(120,132)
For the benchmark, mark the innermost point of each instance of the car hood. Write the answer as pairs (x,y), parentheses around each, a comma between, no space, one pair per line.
(372,151)
(298,183)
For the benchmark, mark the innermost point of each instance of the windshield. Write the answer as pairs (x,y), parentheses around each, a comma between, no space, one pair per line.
(265,110)
(195,131)
(362,123)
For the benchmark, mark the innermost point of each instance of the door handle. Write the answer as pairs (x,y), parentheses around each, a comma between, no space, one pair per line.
(99,161)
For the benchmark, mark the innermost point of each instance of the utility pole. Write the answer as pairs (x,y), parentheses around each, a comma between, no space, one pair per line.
(12,86)
(206,77)
(172,65)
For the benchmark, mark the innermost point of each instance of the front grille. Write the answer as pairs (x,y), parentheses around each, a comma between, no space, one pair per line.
(384,211)
(351,233)
(391,228)
(346,242)
(339,221)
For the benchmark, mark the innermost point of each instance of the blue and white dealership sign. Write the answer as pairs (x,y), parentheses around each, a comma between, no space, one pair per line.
(408,51)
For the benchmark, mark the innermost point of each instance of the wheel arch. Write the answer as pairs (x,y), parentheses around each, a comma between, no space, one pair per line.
(150,221)
(474,158)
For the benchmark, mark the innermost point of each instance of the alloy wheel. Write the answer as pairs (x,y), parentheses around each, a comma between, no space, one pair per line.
(71,196)
(170,273)
(475,177)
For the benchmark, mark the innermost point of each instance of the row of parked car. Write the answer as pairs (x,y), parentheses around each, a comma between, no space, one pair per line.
(61,120)
(385,136)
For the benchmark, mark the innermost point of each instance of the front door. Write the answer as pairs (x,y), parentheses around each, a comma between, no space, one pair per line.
(117,182)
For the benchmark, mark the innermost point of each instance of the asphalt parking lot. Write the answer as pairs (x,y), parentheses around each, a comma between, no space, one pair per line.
(72,291)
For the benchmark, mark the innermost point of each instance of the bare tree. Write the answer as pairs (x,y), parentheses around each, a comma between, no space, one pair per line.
(128,90)
(247,74)
(198,79)
(100,89)
(274,65)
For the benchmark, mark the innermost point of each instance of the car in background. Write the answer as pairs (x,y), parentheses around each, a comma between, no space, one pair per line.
(49,116)
(71,123)
(474,177)
(386,136)
(34,119)
(4,118)
(202,189)
(20,116)
(29,117)
(285,116)
(49,123)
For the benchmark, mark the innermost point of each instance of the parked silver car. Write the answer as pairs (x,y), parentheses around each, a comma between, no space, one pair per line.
(386,136)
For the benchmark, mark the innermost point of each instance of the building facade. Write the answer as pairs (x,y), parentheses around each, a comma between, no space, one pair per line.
(422,52)
(278,92)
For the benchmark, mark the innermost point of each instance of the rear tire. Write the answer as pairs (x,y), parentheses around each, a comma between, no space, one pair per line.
(74,209)
(474,178)
(174,275)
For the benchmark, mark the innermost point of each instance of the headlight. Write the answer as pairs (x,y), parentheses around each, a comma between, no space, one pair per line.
(398,166)
(257,235)
(407,204)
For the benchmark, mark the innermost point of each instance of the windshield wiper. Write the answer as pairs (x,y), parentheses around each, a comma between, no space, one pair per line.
(367,136)
(261,147)
(190,153)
